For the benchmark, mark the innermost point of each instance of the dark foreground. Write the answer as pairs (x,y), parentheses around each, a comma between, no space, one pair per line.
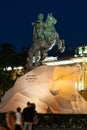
(57,121)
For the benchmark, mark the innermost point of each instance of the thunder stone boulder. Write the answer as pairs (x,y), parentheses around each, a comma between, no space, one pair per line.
(50,88)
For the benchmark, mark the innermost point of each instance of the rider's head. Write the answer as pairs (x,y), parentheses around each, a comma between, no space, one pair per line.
(40,16)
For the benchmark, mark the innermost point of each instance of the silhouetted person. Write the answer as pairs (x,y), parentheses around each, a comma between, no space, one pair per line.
(35,120)
(11,121)
(19,117)
(28,116)
(3,128)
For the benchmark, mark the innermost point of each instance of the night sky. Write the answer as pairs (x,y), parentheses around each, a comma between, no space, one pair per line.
(16,17)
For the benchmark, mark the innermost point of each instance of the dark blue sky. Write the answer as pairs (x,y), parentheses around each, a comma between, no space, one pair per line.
(16,17)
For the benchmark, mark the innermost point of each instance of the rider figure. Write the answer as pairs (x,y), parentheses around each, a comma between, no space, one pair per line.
(45,37)
(39,27)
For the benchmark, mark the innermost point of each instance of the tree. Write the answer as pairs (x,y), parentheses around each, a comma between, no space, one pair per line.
(10,57)
(6,81)
(7,52)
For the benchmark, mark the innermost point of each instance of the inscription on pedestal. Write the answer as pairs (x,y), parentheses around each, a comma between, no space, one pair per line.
(31,78)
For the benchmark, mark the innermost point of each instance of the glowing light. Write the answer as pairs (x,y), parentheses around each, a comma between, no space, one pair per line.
(50,59)
(64,62)
(85,51)
(8,68)
(79,86)
(19,68)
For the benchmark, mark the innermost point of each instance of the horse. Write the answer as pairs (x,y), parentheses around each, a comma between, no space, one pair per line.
(44,39)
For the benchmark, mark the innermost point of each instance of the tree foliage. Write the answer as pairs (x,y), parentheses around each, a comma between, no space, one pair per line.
(9,57)
(6,81)
(7,52)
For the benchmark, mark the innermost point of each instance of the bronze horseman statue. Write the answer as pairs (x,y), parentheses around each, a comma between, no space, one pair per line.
(44,38)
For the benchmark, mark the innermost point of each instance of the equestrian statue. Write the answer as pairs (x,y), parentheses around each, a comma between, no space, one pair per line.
(45,37)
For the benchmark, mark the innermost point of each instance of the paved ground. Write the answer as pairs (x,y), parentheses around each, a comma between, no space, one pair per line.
(61,128)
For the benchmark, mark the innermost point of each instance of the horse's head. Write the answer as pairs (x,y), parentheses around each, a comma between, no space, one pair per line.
(50,19)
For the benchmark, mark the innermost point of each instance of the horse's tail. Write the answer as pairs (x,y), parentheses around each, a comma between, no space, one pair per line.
(62,47)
